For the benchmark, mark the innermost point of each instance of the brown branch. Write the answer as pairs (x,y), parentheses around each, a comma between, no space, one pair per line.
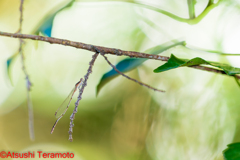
(134,80)
(21,16)
(81,89)
(28,83)
(30,117)
(85,46)
(104,50)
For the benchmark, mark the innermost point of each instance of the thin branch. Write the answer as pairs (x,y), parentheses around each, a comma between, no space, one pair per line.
(30,116)
(85,46)
(28,83)
(134,80)
(21,16)
(81,89)
(105,50)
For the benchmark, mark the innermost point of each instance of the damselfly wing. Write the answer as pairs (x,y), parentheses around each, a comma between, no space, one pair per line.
(66,103)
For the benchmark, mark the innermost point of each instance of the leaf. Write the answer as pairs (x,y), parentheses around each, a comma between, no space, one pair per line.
(232,152)
(36,43)
(131,63)
(46,26)
(175,62)
(9,65)
(237,81)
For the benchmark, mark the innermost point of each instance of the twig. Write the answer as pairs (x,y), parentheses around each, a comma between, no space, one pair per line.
(134,80)
(30,116)
(105,50)
(85,46)
(28,83)
(81,89)
(21,16)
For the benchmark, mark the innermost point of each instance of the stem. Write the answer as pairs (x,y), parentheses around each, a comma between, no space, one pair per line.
(173,16)
(101,49)
(191,9)
(21,16)
(212,51)
(84,84)
(134,80)
(209,7)
(28,83)
(192,21)
(85,46)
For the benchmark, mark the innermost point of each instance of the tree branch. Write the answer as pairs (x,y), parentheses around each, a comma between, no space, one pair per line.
(85,46)
(81,89)
(28,82)
(134,80)
(105,50)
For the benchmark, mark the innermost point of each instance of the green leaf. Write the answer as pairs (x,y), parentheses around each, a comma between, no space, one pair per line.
(175,62)
(9,65)
(232,152)
(123,66)
(46,26)
(131,63)
(237,81)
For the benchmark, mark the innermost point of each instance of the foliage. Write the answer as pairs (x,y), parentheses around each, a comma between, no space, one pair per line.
(232,152)
(44,28)
(175,62)
(128,64)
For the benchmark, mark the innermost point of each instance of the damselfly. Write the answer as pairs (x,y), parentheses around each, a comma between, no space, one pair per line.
(62,110)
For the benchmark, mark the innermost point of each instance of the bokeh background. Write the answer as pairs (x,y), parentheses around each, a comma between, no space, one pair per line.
(195,119)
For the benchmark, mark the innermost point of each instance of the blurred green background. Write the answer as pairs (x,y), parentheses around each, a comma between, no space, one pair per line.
(195,119)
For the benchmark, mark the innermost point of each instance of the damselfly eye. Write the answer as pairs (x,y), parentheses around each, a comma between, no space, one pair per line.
(80,83)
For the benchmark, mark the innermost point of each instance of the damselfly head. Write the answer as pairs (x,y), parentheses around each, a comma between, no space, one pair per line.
(79,84)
